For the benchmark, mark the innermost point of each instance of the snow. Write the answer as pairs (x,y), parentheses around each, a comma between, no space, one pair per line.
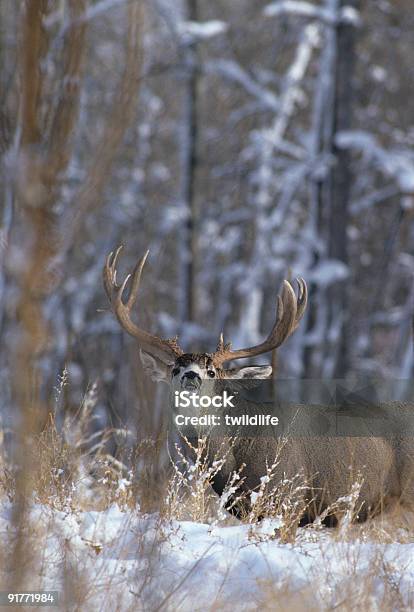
(91,12)
(197,30)
(397,163)
(347,14)
(327,272)
(350,15)
(136,561)
(294,7)
(234,72)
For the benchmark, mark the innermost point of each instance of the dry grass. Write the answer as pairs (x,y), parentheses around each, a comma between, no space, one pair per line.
(75,472)
(189,494)
(378,588)
(73,468)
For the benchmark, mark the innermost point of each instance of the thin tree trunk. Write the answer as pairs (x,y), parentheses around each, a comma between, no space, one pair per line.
(188,243)
(340,182)
(328,355)
(36,238)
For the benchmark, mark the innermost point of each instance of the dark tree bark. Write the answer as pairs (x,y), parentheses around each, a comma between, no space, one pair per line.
(340,183)
(188,244)
(331,195)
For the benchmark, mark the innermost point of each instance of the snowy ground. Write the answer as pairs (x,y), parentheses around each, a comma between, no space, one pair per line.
(119,560)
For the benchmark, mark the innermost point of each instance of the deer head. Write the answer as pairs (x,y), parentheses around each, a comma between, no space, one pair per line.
(164,360)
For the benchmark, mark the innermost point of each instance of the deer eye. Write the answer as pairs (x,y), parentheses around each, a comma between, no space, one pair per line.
(175,371)
(211,373)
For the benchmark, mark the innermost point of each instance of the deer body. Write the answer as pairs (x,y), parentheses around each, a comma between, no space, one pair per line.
(329,465)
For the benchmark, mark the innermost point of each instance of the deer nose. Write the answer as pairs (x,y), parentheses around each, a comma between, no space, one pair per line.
(192,376)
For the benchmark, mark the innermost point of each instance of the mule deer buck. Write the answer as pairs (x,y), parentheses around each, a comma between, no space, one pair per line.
(329,464)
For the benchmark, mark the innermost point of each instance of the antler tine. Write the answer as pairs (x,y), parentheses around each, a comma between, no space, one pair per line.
(109,272)
(115,257)
(290,310)
(279,309)
(107,276)
(166,350)
(136,279)
(285,316)
(119,291)
(221,345)
(301,301)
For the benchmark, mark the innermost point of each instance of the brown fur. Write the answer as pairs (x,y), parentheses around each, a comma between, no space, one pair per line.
(331,465)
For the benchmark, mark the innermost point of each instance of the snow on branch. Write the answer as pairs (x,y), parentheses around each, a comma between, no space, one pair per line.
(232,71)
(328,272)
(91,12)
(101,7)
(396,163)
(347,14)
(193,31)
(187,32)
(292,87)
(375,197)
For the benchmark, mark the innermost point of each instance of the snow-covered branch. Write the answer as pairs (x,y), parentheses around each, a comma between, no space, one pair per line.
(375,197)
(292,91)
(194,31)
(234,72)
(91,12)
(347,14)
(396,163)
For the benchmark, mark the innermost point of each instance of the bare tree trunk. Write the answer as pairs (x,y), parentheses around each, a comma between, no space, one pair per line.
(42,158)
(39,238)
(328,354)
(188,241)
(35,237)
(340,182)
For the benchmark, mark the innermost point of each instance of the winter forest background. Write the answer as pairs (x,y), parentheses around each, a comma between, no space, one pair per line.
(242,143)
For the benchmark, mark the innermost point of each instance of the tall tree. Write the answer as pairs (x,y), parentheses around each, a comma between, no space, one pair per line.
(189,139)
(339,189)
(328,355)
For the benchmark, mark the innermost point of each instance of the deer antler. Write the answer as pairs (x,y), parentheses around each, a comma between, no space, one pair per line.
(166,350)
(289,312)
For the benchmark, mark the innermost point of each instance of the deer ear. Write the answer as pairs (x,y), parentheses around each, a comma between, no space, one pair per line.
(263,371)
(154,367)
